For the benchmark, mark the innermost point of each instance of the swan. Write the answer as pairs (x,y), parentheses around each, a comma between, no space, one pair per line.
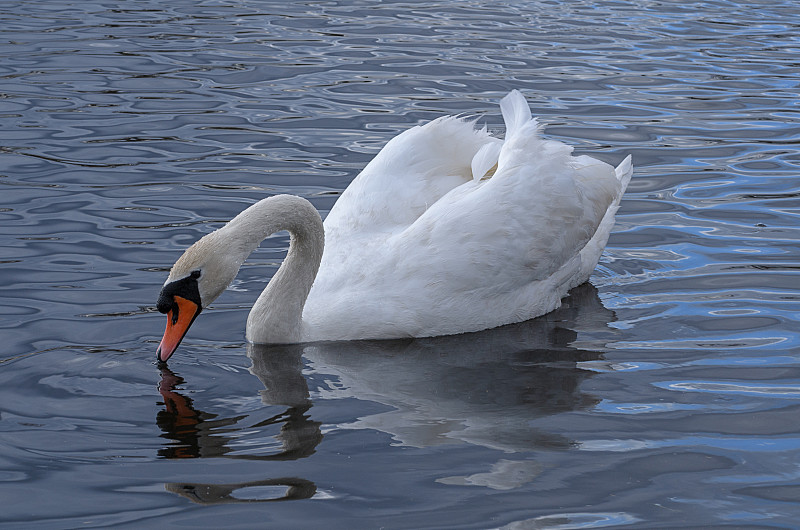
(447,230)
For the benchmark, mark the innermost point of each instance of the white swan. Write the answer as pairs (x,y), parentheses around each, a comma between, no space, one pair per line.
(447,230)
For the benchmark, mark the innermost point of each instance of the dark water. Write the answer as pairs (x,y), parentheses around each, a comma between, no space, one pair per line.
(666,395)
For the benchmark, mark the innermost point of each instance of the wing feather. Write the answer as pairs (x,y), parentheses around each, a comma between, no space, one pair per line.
(421,244)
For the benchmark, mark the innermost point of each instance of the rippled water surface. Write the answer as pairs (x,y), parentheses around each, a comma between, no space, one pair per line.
(667,393)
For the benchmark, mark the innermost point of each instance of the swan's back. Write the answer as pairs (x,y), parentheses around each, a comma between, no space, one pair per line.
(413,171)
(450,230)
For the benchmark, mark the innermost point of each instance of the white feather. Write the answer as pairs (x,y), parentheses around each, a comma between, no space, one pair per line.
(414,247)
(423,244)
(485,159)
(516,113)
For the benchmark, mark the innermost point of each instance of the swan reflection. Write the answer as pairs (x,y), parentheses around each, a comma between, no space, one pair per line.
(484,388)
(200,434)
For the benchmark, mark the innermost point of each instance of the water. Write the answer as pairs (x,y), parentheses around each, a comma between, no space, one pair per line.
(665,395)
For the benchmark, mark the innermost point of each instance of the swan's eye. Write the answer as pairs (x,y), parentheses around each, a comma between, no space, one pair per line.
(195,274)
(175,308)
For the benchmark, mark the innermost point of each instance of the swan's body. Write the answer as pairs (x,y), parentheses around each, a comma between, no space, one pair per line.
(447,230)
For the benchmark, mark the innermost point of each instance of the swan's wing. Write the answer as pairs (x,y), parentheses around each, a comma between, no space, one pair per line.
(538,211)
(488,252)
(413,171)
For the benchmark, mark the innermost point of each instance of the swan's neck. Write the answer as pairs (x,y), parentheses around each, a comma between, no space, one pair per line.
(277,314)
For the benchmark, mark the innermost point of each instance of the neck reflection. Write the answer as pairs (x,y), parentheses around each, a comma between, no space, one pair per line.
(198,434)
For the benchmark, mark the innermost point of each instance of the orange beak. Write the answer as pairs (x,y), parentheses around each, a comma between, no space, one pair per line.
(179,318)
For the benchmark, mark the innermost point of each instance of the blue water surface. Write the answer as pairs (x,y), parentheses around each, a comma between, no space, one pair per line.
(665,394)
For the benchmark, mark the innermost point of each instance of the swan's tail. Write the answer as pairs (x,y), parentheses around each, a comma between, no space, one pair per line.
(590,254)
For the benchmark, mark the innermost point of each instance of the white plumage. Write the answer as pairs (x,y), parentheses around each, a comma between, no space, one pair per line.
(420,244)
(447,230)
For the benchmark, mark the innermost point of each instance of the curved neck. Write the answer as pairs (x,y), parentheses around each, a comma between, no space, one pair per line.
(277,314)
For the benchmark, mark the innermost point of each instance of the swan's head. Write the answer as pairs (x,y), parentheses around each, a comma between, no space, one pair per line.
(199,276)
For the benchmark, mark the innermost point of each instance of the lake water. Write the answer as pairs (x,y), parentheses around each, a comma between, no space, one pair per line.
(665,394)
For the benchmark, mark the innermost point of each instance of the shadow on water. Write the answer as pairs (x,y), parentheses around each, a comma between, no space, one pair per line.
(484,388)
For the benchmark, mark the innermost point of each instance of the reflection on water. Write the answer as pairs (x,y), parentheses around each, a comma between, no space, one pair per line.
(291,489)
(485,388)
(198,434)
(187,426)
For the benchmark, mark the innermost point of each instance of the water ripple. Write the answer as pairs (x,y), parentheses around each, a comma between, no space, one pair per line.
(130,129)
